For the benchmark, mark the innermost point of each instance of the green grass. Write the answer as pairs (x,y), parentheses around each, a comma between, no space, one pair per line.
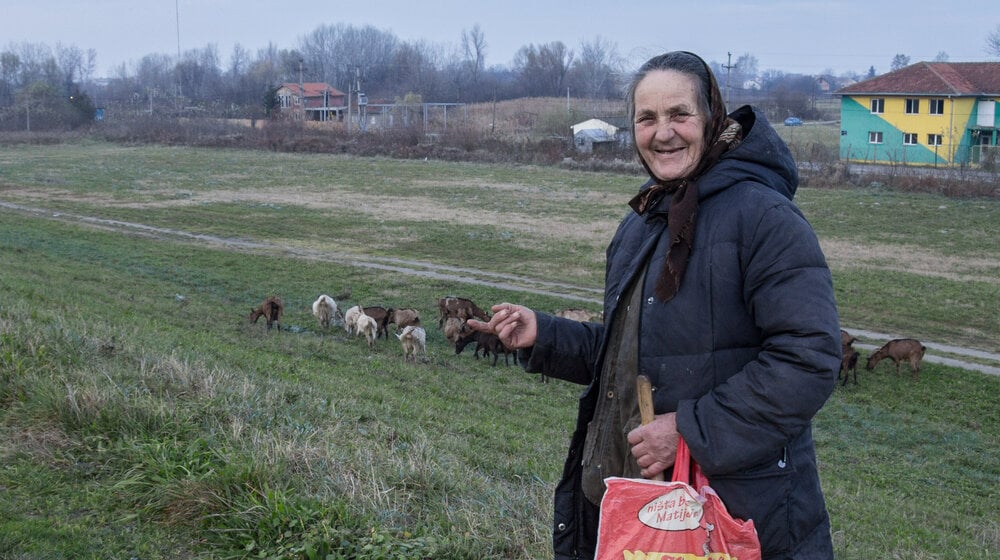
(812,142)
(141,416)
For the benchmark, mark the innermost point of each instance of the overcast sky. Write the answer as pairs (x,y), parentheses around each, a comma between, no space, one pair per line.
(794,36)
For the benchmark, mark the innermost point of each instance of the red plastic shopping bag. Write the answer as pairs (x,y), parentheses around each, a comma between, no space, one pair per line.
(656,520)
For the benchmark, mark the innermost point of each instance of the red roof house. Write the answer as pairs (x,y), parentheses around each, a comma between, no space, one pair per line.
(315,101)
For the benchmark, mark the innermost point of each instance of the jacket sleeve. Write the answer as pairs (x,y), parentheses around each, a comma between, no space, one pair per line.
(564,349)
(788,293)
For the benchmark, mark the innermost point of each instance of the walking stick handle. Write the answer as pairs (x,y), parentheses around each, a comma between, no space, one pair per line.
(646,412)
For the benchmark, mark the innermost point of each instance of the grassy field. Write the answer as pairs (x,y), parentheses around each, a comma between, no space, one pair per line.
(141,416)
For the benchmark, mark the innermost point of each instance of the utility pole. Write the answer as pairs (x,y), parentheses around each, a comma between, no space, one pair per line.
(177,18)
(177,15)
(362,109)
(302,94)
(728,67)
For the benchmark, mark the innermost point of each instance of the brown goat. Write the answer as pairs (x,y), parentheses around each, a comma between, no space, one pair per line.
(489,343)
(271,309)
(452,306)
(403,318)
(849,363)
(849,356)
(846,339)
(898,350)
(381,316)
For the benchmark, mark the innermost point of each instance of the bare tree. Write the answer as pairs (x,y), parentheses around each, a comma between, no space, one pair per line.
(236,82)
(541,71)
(899,62)
(37,65)
(417,69)
(9,65)
(474,50)
(746,68)
(71,62)
(941,57)
(993,42)
(597,72)
(343,55)
(199,74)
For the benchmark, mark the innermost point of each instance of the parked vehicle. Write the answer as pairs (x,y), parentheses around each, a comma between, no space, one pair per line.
(793,121)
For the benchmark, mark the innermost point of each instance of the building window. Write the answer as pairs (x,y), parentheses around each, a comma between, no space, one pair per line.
(912,106)
(878,105)
(874,137)
(937,106)
(934,140)
(286,101)
(909,138)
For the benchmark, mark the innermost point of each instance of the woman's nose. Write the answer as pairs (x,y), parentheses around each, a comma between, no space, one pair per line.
(664,129)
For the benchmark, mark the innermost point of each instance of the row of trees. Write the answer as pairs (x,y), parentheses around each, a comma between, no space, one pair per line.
(42,87)
(347,57)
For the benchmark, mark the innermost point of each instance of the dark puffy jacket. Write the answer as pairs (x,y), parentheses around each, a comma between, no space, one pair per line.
(746,353)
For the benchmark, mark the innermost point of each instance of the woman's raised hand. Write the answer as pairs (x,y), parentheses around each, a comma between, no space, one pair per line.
(516,325)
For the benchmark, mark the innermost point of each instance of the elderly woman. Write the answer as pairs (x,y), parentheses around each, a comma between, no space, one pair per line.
(717,290)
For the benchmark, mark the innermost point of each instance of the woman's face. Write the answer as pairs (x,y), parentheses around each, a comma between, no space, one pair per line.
(669,125)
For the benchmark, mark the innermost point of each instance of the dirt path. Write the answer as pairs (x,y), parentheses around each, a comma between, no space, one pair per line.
(436,271)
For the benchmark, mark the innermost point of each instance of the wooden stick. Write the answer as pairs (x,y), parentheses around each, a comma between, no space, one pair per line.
(646,411)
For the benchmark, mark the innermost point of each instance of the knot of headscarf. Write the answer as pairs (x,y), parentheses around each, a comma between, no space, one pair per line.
(682,213)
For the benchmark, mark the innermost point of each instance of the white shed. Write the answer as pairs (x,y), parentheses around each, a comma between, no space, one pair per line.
(590,133)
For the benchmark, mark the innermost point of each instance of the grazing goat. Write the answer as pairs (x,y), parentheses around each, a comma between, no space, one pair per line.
(403,318)
(325,310)
(581,315)
(849,363)
(413,339)
(367,326)
(351,319)
(455,328)
(849,356)
(898,350)
(846,339)
(489,343)
(271,309)
(381,316)
(462,308)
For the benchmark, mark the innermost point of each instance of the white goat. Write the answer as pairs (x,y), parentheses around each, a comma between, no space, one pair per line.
(325,309)
(414,340)
(351,319)
(368,326)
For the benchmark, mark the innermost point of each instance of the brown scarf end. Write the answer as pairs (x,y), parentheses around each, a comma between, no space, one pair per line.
(666,288)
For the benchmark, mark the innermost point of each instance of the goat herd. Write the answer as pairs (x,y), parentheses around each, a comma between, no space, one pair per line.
(373,322)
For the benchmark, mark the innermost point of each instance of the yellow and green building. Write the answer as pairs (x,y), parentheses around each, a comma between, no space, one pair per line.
(929,113)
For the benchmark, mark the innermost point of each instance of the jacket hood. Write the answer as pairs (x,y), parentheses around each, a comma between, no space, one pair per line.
(762,157)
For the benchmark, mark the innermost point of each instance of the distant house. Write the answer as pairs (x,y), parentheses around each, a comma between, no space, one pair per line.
(599,134)
(929,113)
(315,101)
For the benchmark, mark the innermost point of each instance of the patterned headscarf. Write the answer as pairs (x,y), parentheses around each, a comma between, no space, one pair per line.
(721,135)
